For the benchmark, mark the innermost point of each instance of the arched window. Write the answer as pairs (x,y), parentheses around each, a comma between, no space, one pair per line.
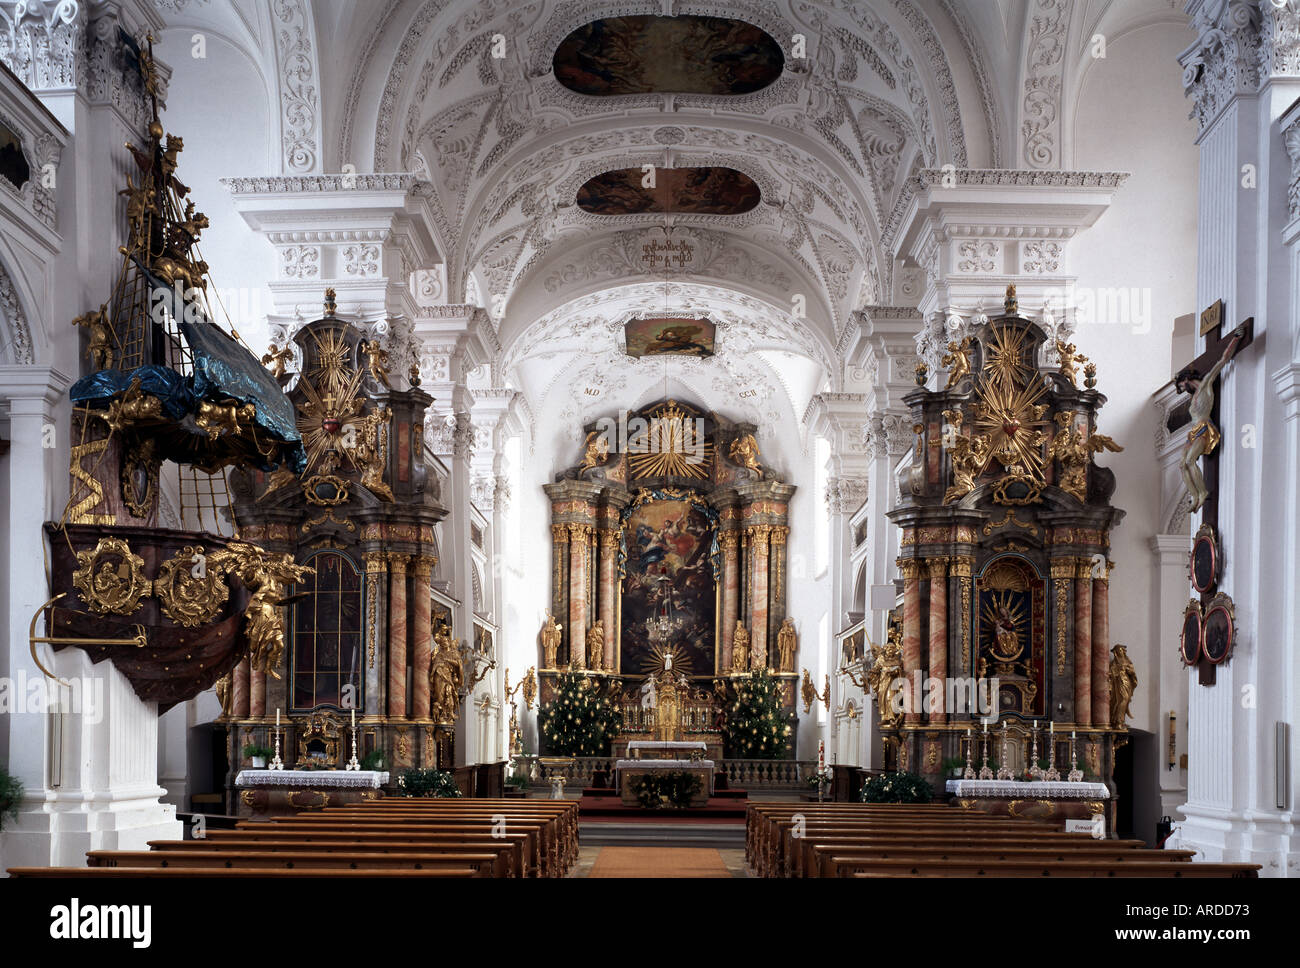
(327,634)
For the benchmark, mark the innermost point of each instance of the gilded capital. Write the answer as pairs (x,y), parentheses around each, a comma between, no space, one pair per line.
(422,567)
(909,568)
(560,533)
(962,567)
(376,562)
(397,562)
(938,568)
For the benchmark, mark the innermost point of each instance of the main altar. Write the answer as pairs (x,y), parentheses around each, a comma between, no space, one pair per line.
(1000,656)
(668,572)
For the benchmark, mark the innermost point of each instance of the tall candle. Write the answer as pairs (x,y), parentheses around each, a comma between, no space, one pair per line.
(354,717)
(277,717)
(1071,734)
(1051,728)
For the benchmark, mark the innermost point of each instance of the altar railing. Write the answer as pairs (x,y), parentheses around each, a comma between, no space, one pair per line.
(742,774)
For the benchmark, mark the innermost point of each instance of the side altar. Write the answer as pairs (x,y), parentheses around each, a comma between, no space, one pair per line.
(1005,563)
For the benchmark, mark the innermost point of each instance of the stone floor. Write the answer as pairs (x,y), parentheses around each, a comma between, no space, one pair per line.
(664,862)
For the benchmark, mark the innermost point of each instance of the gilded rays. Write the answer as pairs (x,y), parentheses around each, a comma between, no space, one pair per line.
(673,444)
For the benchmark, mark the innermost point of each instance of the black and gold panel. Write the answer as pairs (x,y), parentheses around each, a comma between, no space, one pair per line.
(1011,600)
(669,55)
(327,633)
(707,190)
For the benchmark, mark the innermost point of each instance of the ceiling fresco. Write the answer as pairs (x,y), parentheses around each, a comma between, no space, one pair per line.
(687,191)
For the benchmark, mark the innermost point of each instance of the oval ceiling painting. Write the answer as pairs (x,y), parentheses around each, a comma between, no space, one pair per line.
(681,191)
(668,55)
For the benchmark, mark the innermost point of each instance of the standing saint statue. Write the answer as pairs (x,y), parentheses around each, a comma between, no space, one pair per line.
(1204,436)
(551,632)
(596,646)
(740,648)
(787,644)
(445,676)
(1123,681)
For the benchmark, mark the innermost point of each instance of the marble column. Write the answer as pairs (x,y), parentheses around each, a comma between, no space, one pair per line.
(1083,642)
(578,594)
(256,693)
(759,546)
(608,591)
(911,571)
(777,607)
(376,631)
(397,630)
(938,631)
(730,595)
(421,635)
(1101,646)
(241,684)
(560,586)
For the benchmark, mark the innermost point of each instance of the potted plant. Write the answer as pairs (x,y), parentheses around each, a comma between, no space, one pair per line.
(517,783)
(428,783)
(258,754)
(896,788)
(11,794)
(954,766)
(374,760)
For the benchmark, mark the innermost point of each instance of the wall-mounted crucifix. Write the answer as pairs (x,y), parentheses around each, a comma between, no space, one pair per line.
(1200,460)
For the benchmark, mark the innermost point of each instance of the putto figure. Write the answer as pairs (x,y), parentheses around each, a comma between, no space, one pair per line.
(958,359)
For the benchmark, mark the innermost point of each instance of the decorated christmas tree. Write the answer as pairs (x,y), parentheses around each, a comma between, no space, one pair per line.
(579,720)
(756,727)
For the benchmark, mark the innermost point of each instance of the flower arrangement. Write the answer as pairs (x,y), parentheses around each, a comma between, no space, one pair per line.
(896,788)
(428,783)
(675,786)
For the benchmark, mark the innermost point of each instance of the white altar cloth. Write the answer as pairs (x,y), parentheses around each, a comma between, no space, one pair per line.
(316,779)
(1059,790)
(666,746)
(644,766)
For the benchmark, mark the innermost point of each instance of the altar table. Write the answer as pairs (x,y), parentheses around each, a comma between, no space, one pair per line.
(1055,801)
(268,793)
(627,771)
(661,747)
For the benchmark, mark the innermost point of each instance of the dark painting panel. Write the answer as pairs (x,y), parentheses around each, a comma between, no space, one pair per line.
(701,190)
(670,55)
(675,336)
(669,584)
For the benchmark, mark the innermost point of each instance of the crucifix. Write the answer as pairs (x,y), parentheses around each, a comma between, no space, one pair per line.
(1200,460)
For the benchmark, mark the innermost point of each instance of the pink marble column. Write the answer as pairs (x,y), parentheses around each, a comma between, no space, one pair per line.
(397,635)
(730,596)
(1083,643)
(241,677)
(938,632)
(911,569)
(759,546)
(421,636)
(1101,647)
(256,693)
(608,591)
(578,594)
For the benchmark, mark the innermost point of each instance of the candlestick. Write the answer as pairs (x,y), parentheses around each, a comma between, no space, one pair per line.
(1075,775)
(986,772)
(277,763)
(1004,771)
(353,764)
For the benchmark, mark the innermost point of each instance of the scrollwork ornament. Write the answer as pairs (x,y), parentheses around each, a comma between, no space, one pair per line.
(190,593)
(109,587)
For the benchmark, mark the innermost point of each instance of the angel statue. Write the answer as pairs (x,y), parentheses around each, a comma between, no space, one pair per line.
(969,455)
(376,362)
(100,349)
(744,451)
(886,667)
(595,451)
(958,358)
(1070,359)
(1123,681)
(266,574)
(1073,450)
(275,359)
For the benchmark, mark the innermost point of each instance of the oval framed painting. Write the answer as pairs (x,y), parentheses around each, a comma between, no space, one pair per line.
(1219,631)
(1190,640)
(1206,562)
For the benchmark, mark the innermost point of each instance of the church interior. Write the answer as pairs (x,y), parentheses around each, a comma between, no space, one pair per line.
(580,439)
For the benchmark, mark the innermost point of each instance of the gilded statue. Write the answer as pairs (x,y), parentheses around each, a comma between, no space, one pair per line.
(969,455)
(1070,359)
(1073,450)
(446,675)
(369,451)
(530,687)
(376,362)
(100,349)
(595,451)
(1123,681)
(958,359)
(596,646)
(740,648)
(1204,436)
(886,667)
(275,359)
(552,631)
(265,574)
(787,644)
(225,695)
(744,451)
(223,418)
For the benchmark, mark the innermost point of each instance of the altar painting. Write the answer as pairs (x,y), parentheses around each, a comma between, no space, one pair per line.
(669,589)
(1011,612)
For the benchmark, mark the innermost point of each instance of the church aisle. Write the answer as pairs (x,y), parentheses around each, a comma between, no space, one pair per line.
(659,862)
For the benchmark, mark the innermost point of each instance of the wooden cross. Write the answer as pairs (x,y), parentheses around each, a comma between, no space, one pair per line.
(1216,343)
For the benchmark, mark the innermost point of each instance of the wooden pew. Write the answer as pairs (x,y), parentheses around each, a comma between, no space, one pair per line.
(240,872)
(917,867)
(480,864)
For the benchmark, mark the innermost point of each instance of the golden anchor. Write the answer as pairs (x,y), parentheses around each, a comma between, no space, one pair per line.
(140,640)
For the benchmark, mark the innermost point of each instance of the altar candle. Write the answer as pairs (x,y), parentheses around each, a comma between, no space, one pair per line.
(1051,728)
(1071,734)
(277,717)
(354,717)
(1035,725)
(821,755)
(986,727)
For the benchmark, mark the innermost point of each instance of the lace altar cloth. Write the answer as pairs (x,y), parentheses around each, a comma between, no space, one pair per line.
(664,746)
(1037,788)
(316,779)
